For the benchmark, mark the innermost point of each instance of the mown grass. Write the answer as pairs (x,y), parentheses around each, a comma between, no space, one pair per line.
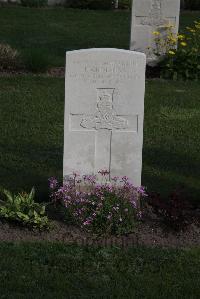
(62,271)
(53,31)
(31,130)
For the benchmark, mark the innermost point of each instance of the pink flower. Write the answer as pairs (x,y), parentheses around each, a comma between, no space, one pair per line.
(124,179)
(115,178)
(104,172)
(90,178)
(134,203)
(87,222)
(53,183)
(141,191)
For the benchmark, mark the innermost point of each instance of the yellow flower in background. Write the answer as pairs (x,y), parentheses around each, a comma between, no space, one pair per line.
(156,33)
(169,26)
(181,36)
(171,52)
(173,39)
(192,30)
(183,44)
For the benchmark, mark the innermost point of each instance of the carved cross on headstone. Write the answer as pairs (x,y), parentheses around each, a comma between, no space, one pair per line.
(155,17)
(104,120)
(104,111)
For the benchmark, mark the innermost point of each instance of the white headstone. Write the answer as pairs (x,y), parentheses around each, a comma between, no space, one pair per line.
(104,108)
(149,16)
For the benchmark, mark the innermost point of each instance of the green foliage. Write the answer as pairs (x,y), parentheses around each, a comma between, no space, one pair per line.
(90,4)
(23,209)
(35,60)
(182,62)
(34,3)
(126,214)
(9,57)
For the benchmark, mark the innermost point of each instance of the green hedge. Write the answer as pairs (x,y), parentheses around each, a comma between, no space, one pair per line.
(90,4)
(34,3)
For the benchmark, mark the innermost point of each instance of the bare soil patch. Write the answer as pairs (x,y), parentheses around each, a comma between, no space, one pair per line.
(147,233)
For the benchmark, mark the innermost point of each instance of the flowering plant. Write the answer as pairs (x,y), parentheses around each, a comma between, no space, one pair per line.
(105,207)
(181,52)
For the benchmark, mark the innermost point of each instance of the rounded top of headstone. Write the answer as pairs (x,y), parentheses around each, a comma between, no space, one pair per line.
(106,50)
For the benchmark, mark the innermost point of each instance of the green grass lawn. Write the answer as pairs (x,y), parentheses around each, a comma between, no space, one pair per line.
(54,31)
(31,130)
(61,271)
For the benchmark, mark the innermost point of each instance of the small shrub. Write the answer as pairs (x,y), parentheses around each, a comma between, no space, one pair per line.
(102,208)
(90,4)
(182,62)
(34,3)
(22,208)
(173,211)
(9,57)
(36,61)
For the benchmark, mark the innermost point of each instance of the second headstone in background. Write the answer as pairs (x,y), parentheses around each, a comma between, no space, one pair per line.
(149,16)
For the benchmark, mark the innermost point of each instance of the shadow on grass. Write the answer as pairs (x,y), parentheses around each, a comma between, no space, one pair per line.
(30,166)
(164,171)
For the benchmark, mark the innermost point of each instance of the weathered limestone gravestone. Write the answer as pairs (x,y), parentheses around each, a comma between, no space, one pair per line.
(104,107)
(149,16)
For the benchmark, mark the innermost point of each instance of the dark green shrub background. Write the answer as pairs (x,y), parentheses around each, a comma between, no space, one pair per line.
(34,3)
(89,4)
(191,4)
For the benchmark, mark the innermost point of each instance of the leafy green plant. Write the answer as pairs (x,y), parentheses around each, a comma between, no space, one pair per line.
(23,209)
(181,53)
(34,3)
(9,57)
(36,60)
